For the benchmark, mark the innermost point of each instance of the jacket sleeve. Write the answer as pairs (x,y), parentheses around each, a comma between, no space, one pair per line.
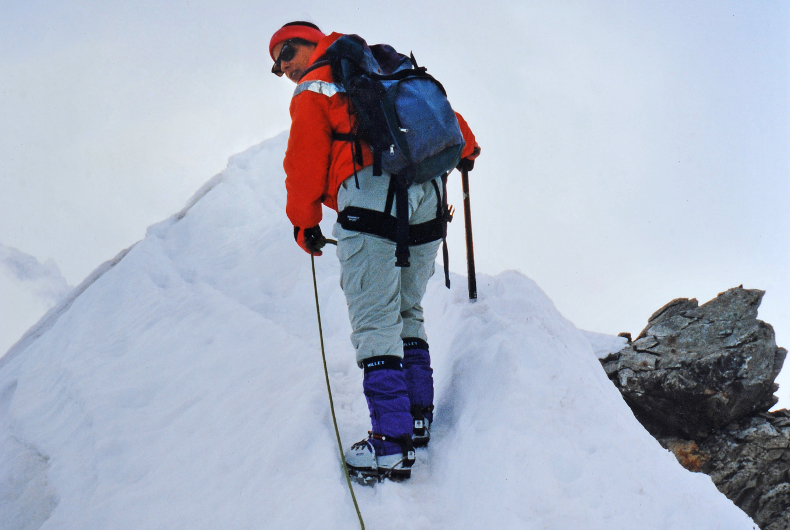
(471,149)
(307,159)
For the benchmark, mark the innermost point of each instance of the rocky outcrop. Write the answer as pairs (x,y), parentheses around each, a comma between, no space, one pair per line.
(701,380)
(694,369)
(749,461)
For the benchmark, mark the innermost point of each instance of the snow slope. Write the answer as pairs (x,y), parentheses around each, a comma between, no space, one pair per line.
(28,288)
(181,387)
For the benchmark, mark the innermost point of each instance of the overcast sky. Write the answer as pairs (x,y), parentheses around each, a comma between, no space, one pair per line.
(633,151)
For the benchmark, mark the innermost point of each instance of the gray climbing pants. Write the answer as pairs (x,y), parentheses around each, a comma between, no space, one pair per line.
(384,301)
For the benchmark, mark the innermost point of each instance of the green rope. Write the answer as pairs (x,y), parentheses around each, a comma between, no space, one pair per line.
(329,391)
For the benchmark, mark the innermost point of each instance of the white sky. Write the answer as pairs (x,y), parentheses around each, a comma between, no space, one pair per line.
(643,146)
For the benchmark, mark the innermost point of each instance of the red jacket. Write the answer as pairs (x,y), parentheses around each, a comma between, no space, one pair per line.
(315,165)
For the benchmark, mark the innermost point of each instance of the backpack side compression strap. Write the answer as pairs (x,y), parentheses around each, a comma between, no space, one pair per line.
(350,137)
(442,211)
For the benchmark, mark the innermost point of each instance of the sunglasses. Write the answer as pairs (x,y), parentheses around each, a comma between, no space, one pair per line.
(287,53)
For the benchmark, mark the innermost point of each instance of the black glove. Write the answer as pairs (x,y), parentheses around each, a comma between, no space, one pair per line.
(310,239)
(466,164)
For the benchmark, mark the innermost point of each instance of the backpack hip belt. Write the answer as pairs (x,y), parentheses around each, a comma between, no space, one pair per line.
(384,224)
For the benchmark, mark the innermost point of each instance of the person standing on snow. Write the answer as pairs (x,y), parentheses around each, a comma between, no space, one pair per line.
(384,301)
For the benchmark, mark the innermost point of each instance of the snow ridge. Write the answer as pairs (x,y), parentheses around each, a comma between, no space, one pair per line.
(182,387)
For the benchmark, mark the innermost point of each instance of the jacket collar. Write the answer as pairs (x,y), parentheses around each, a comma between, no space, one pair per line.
(320,50)
(323,44)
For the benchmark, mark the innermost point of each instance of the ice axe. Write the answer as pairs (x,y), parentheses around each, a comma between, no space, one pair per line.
(470,249)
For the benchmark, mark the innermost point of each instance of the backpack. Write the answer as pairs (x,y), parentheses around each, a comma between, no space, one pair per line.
(403,114)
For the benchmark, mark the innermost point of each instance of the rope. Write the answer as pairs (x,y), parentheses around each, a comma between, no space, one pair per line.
(329,391)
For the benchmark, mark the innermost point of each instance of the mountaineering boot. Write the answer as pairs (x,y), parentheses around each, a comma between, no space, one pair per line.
(421,430)
(388,451)
(367,466)
(419,381)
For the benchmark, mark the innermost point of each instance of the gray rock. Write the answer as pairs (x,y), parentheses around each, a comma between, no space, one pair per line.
(749,461)
(695,369)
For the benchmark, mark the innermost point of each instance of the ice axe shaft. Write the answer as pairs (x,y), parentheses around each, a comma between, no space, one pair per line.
(470,249)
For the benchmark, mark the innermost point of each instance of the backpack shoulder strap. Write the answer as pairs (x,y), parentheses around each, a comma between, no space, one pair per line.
(322,61)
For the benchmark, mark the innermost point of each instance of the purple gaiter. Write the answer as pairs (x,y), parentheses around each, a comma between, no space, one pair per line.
(419,375)
(388,401)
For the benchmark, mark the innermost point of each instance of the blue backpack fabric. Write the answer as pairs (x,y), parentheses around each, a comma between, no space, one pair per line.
(404,116)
